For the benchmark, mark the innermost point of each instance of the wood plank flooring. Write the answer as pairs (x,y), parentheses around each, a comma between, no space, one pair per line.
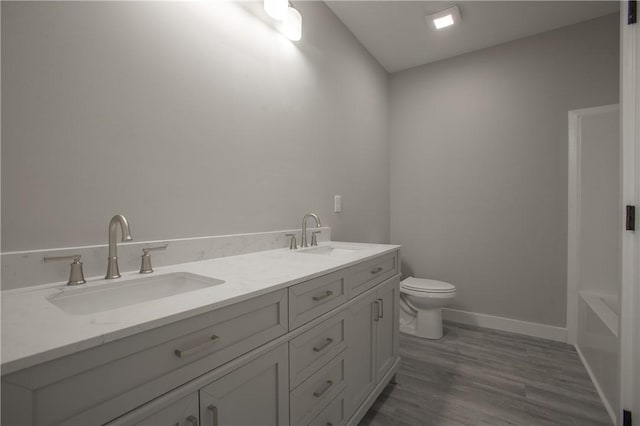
(477,376)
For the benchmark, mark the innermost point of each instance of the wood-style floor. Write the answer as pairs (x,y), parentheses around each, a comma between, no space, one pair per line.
(478,376)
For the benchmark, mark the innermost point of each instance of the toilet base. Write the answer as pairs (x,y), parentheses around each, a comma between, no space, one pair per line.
(427,324)
(408,327)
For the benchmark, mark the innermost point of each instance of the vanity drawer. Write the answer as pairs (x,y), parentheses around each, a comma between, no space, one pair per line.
(311,350)
(126,373)
(364,276)
(164,411)
(312,396)
(333,414)
(315,297)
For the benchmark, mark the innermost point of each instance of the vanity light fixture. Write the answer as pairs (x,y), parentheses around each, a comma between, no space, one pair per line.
(444,19)
(277,9)
(290,20)
(292,25)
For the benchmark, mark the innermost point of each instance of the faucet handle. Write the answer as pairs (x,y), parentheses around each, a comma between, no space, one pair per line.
(146,250)
(314,239)
(293,245)
(76,275)
(145,264)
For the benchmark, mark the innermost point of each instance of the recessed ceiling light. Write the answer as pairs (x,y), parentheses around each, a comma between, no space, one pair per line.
(443,22)
(444,19)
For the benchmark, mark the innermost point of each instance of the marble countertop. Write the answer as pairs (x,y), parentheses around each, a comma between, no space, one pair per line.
(35,331)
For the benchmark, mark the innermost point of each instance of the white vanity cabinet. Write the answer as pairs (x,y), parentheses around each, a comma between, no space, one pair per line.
(361,357)
(364,334)
(310,299)
(386,324)
(182,412)
(98,384)
(372,336)
(335,414)
(316,353)
(256,393)
(251,391)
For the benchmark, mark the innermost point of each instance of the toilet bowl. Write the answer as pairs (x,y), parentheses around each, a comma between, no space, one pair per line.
(421,303)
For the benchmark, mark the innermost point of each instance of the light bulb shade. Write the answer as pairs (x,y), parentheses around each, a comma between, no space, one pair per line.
(292,24)
(277,9)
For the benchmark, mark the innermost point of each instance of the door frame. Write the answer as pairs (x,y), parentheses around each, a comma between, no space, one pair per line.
(574,217)
(630,165)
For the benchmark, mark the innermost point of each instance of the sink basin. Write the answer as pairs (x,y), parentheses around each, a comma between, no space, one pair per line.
(113,295)
(328,250)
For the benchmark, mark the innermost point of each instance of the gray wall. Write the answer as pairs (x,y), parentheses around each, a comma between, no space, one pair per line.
(189,118)
(479,166)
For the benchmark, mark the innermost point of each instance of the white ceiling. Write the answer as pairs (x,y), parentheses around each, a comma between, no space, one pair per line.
(396,34)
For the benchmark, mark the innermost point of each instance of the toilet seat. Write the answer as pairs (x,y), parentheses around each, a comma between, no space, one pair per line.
(423,285)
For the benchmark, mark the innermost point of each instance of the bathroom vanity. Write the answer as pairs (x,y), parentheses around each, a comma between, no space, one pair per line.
(280,337)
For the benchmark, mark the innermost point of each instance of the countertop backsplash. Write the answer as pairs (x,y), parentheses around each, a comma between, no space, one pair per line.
(27,268)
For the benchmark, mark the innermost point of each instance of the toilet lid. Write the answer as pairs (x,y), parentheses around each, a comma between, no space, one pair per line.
(426,285)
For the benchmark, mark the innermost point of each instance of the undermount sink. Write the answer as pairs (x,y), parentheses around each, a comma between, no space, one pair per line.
(113,295)
(329,250)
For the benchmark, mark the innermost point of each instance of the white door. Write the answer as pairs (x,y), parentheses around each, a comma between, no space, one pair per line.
(630,272)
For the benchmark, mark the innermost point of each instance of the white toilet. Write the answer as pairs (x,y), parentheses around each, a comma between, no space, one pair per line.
(421,303)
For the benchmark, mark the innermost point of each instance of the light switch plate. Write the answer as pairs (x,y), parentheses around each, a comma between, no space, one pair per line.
(337,206)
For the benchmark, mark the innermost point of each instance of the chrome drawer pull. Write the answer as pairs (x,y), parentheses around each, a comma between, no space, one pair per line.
(375,271)
(214,414)
(202,346)
(326,387)
(324,345)
(322,296)
(193,421)
(376,310)
(381,305)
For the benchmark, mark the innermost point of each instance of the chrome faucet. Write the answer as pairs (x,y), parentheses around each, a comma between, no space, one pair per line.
(303,241)
(112,266)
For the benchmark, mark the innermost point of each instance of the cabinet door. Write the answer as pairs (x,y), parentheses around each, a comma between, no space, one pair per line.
(256,393)
(386,304)
(361,376)
(161,412)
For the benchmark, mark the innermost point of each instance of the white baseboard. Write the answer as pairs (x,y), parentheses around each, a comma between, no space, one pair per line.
(543,331)
(603,398)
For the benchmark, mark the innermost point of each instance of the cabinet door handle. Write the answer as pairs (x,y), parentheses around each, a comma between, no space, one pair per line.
(326,343)
(381,305)
(375,271)
(376,309)
(325,388)
(326,294)
(180,353)
(193,421)
(214,414)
